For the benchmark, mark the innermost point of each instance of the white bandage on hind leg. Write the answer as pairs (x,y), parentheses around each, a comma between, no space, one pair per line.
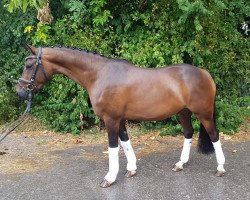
(130,155)
(113,164)
(186,150)
(219,155)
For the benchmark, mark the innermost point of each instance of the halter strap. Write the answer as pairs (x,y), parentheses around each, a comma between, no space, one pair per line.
(38,58)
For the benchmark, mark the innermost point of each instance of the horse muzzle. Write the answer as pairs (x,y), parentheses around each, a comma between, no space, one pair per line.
(22,94)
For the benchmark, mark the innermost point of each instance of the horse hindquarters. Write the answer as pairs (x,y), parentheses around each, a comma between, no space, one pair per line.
(201,99)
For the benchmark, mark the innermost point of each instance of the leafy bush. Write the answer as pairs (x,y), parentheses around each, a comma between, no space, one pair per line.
(12,52)
(229,117)
(147,33)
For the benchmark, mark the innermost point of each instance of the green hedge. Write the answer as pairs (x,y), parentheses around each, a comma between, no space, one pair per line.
(147,33)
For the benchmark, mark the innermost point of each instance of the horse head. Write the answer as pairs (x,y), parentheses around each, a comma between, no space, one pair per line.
(35,73)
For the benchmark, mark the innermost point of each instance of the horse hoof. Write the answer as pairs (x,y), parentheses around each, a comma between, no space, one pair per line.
(220,173)
(177,168)
(129,174)
(105,184)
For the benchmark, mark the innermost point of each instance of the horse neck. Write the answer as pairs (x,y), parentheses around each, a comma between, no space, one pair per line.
(79,66)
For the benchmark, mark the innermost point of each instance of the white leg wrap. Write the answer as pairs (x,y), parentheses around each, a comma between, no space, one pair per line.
(185,153)
(113,164)
(219,155)
(186,150)
(130,155)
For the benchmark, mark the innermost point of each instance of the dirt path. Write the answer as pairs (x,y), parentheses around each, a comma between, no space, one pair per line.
(26,151)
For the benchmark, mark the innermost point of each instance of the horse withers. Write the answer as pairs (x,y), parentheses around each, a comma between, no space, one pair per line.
(120,91)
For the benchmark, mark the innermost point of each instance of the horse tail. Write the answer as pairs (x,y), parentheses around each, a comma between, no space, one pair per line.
(205,144)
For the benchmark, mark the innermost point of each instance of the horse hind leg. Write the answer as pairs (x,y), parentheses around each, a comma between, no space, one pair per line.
(185,121)
(211,143)
(128,150)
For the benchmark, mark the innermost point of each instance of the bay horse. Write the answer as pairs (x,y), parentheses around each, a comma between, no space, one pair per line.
(119,91)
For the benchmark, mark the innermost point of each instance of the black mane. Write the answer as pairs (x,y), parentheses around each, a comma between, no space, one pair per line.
(91,52)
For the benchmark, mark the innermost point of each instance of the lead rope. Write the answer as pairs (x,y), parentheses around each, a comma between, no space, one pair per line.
(20,120)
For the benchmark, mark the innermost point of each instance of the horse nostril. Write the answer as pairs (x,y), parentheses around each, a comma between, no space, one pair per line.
(21,94)
(17,92)
(18,95)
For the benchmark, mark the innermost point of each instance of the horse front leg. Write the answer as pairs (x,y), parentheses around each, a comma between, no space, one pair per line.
(128,150)
(113,150)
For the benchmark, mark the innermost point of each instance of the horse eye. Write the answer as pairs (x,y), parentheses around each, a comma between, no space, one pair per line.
(28,66)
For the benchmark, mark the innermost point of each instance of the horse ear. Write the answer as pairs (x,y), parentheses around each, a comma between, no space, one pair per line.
(32,49)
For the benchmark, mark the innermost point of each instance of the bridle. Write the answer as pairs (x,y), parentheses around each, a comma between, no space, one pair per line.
(30,83)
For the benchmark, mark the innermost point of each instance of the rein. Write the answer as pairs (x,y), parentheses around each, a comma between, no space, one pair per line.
(16,123)
(29,88)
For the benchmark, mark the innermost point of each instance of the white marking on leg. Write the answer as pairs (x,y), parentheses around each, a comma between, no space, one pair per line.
(113,164)
(185,152)
(130,155)
(219,156)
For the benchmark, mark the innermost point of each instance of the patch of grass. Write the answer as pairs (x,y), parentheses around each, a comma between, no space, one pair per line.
(92,131)
(171,130)
(42,142)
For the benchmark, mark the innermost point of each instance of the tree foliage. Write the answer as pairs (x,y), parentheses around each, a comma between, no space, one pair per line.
(151,33)
(14,5)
